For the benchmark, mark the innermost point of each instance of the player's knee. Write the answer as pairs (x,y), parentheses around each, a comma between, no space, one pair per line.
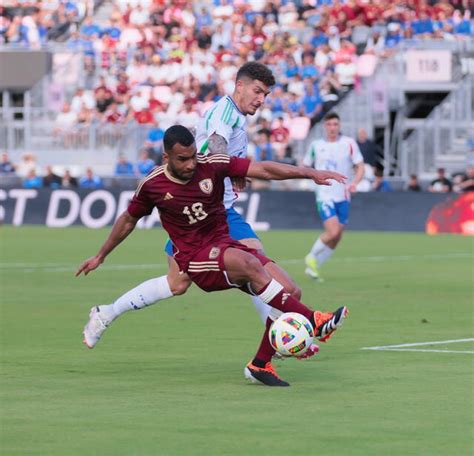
(180,286)
(339,234)
(335,235)
(252,267)
(295,291)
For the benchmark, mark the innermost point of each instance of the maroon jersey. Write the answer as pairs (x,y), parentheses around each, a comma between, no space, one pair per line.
(192,212)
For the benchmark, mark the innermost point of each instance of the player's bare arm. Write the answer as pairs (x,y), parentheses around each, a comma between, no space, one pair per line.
(359,174)
(269,170)
(124,225)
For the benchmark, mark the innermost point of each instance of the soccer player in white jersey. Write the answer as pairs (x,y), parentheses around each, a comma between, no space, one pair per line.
(221,130)
(334,153)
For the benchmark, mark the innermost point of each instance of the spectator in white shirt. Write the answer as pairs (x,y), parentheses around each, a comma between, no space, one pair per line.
(221,37)
(82,97)
(346,71)
(188,117)
(139,101)
(139,16)
(26,165)
(66,119)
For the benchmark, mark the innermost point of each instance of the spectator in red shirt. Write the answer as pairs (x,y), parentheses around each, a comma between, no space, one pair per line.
(102,88)
(122,87)
(113,115)
(280,136)
(144,117)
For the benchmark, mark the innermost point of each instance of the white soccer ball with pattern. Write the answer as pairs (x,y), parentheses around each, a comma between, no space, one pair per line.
(291,334)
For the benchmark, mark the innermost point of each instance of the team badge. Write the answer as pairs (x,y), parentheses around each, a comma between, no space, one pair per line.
(206,186)
(214,253)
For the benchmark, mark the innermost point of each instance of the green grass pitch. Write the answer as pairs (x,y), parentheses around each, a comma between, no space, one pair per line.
(168,380)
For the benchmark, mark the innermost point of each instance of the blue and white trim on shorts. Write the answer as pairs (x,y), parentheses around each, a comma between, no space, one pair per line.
(329,209)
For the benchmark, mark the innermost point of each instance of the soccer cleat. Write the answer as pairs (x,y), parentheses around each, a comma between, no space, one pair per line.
(263,375)
(311,267)
(312,350)
(95,327)
(327,323)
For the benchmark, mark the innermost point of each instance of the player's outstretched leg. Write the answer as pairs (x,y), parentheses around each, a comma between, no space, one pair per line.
(145,294)
(324,246)
(260,369)
(245,268)
(98,322)
(325,323)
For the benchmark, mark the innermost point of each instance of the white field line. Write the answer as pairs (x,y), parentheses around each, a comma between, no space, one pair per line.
(67,267)
(404,347)
(421,350)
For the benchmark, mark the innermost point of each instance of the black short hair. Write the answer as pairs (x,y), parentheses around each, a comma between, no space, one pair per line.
(331,115)
(258,71)
(177,134)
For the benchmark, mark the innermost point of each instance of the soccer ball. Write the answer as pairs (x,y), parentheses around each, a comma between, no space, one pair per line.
(291,334)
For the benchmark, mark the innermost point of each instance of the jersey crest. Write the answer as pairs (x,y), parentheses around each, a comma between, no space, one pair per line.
(206,186)
(214,253)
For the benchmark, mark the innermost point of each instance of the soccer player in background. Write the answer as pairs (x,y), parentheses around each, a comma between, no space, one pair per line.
(222,130)
(334,153)
(188,192)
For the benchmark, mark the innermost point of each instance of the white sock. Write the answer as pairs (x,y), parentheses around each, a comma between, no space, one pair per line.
(317,248)
(324,255)
(263,309)
(321,252)
(145,294)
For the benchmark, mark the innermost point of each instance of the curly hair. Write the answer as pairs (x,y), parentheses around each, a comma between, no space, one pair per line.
(258,71)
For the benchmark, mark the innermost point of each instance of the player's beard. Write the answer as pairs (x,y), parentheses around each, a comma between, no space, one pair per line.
(179,175)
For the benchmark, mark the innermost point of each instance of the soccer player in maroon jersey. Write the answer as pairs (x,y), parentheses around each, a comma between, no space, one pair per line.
(188,192)
(221,130)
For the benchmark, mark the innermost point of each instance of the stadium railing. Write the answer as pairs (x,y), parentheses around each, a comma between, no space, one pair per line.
(439,140)
(32,127)
(443,138)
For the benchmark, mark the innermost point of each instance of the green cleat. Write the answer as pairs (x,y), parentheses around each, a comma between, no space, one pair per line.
(312,267)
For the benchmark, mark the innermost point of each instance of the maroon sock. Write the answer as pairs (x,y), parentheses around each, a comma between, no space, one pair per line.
(274,295)
(265,350)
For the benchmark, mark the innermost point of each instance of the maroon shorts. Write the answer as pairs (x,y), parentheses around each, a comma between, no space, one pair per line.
(207,269)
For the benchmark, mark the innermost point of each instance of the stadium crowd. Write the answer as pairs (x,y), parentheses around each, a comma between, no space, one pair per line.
(35,23)
(34,176)
(159,62)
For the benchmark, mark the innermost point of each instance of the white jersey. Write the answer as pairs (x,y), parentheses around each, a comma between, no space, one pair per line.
(340,156)
(224,119)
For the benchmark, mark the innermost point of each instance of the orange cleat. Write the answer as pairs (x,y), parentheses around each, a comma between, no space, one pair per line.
(327,323)
(263,375)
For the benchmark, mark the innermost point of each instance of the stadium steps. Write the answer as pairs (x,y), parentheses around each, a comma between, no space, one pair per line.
(460,152)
